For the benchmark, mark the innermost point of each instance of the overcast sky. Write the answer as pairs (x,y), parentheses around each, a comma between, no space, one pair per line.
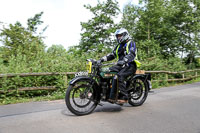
(62,16)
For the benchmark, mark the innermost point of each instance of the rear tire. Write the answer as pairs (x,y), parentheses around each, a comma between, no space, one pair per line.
(138,92)
(80,98)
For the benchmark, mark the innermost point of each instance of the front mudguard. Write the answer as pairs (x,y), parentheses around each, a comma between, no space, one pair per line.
(91,81)
(77,79)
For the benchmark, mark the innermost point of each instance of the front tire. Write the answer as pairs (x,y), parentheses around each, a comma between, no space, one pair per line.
(80,98)
(138,92)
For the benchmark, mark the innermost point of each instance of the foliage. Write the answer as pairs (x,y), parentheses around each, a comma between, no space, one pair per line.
(172,24)
(34,22)
(156,64)
(18,40)
(148,48)
(198,62)
(97,31)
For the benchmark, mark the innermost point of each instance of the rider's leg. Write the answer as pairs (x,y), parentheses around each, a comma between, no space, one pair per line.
(122,75)
(118,82)
(113,91)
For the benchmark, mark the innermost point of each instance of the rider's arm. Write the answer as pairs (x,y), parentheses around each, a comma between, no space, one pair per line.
(110,56)
(132,53)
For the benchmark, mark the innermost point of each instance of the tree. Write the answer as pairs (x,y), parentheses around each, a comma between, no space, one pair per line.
(19,40)
(188,26)
(144,22)
(97,31)
(172,24)
(56,50)
(34,22)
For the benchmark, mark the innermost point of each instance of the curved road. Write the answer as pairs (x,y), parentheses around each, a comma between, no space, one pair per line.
(167,110)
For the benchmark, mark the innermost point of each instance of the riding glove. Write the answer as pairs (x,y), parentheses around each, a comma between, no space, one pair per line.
(121,63)
(99,61)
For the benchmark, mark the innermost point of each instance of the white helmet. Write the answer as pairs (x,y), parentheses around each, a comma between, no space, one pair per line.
(122,35)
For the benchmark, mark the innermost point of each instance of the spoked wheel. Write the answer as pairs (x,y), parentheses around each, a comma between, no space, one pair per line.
(80,98)
(138,92)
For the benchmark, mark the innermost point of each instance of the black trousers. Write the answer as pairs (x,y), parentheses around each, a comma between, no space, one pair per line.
(118,79)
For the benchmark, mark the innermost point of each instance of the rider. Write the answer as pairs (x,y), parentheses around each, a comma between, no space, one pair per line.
(125,52)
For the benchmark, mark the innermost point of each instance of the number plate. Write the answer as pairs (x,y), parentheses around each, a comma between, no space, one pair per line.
(78,74)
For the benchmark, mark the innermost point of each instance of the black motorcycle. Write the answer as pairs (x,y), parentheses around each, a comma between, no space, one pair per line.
(87,89)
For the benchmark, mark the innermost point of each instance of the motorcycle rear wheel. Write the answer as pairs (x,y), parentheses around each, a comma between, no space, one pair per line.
(80,98)
(139,92)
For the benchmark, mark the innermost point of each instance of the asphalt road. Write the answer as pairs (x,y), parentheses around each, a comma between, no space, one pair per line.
(167,110)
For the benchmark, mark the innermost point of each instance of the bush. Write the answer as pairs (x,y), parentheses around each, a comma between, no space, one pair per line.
(57,59)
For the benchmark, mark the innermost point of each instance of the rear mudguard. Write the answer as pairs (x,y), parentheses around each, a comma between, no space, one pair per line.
(145,77)
(92,81)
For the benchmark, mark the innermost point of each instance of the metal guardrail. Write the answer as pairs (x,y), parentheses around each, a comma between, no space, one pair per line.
(65,77)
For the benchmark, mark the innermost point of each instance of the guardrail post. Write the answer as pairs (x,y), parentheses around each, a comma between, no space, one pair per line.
(65,80)
(166,76)
(183,75)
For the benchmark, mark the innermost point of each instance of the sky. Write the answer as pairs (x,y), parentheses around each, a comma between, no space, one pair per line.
(63,17)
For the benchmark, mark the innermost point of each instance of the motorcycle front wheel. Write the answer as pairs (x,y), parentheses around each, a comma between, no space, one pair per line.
(80,98)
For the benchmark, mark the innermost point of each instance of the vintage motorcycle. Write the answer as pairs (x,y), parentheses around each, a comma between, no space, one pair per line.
(88,89)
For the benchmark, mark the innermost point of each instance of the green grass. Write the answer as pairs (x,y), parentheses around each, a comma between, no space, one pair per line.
(13,100)
(157,85)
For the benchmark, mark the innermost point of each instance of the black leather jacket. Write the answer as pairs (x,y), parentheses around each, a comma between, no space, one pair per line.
(121,52)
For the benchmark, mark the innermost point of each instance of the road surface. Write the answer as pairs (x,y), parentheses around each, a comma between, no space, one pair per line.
(167,110)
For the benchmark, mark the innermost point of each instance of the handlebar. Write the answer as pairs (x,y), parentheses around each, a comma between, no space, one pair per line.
(97,65)
(108,64)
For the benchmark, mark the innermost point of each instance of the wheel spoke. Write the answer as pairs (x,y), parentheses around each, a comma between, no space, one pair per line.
(138,93)
(80,100)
